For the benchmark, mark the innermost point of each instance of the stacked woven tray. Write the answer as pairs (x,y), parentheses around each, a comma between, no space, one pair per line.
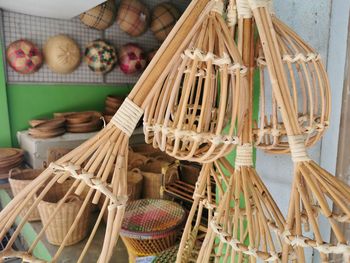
(112,104)
(10,158)
(47,128)
(86,121)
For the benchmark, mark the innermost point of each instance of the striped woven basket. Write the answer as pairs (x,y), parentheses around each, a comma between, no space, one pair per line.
(150,226)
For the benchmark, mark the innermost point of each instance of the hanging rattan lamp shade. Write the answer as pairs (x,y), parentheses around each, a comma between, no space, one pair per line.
(193,115)
(309,90)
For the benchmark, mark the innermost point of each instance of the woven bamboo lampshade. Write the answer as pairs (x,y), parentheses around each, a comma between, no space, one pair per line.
(314,190)
(133,17)
(164,17)
(100,56)
(193,116)
(100,17)
(90,165)
(24,57)
(62,54)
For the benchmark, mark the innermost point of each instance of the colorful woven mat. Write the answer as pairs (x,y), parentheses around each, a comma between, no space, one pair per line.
(152,218)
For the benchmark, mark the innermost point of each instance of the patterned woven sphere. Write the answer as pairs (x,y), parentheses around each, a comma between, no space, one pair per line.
(100,56)
(164,17)
(101,16)
(132,59)
(62,54)
(133,17)
(24,57)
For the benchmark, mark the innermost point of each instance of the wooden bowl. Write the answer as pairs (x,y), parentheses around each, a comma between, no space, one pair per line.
(36,133)
(93,125)
(36,122)
(10,156)
(110,111)
(51,125)
(80,117)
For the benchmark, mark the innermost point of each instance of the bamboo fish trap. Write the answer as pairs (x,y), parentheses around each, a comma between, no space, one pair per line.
(308,87)
(314,190)
(193,115)
(90,164)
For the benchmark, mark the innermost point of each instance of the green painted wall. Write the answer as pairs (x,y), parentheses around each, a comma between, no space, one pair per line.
(28,101)
(5,131)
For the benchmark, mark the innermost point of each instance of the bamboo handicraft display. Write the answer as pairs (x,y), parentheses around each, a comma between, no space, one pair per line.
(90,164)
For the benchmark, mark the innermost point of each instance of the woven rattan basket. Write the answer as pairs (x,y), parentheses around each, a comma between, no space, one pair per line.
(57,230)
(18,180)
(150,226)
(153,172)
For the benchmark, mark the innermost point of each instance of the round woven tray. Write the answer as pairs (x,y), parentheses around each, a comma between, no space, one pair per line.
(152,219)
(10,158)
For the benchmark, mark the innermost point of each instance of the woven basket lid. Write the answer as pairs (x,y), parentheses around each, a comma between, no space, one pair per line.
(133,17)
(100,56)
(62,54)
(24,57)
(100,17)
(151,218)
(164,17)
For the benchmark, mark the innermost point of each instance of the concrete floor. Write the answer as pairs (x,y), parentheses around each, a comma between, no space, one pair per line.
(71,254)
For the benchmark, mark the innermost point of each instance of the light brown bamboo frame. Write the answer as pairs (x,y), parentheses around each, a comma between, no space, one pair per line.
(193,116)
(309,89)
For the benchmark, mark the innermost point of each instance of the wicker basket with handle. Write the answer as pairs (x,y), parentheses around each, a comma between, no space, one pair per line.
(58,228)
(18,180)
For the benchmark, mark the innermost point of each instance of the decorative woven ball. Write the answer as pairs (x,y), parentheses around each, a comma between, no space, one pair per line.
(100,17)
(164,17)
(131,59)
(100,56)
(24,57)
(62,54)
(133,17)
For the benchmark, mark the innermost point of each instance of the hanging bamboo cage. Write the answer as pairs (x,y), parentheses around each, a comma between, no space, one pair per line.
(193,115)
(314,190)
(308,87)
(90,164)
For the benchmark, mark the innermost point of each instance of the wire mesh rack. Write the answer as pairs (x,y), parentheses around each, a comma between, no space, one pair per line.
(38,29)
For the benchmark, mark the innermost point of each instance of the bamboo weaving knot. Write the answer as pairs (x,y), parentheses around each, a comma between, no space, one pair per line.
(127,117)
(301,57)
(298,149)
(243,9)
(93,182)
(218,6)
(231,14)
(244,156)
(260,3)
